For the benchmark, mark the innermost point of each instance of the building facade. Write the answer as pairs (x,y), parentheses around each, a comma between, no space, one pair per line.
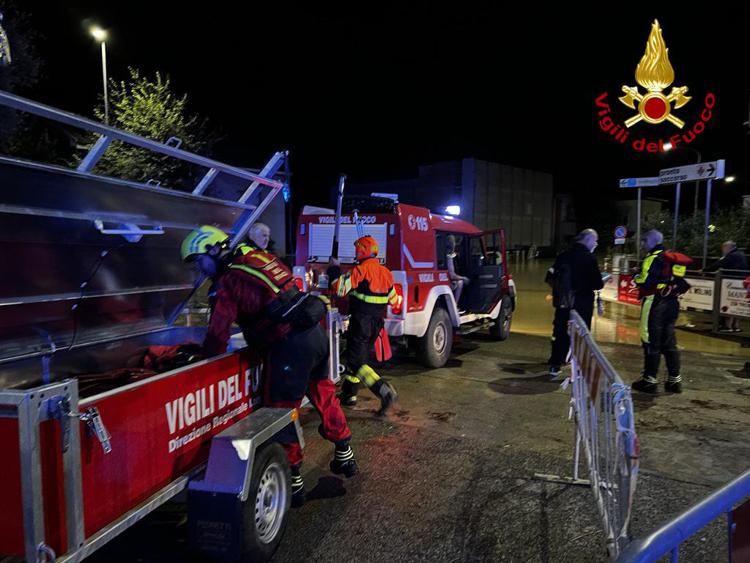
(489,194)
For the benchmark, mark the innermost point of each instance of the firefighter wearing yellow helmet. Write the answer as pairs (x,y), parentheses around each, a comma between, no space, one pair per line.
(256,290)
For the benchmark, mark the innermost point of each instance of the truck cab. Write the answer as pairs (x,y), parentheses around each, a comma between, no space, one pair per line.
(415,245)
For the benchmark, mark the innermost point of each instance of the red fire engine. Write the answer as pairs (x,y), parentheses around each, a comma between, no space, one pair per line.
(416,246)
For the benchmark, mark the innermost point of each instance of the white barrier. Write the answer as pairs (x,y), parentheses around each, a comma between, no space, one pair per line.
(603,412)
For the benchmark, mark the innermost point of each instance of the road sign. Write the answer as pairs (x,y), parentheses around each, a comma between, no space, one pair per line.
(638,182)
(621,231)
(700,171)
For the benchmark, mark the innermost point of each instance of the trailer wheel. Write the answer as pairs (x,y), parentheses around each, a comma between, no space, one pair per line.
(267,507)
(434,347)
(500,330)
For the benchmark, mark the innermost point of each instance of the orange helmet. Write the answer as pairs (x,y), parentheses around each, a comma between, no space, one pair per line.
(365,247)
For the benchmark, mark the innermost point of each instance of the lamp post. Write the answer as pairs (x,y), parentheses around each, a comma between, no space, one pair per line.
(101,36)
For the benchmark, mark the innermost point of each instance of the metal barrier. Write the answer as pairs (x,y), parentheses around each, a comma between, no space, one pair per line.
(668,538)
(603,411)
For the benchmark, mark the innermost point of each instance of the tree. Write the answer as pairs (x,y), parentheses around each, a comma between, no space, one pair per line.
(149,108)
(23,72)
(729,223)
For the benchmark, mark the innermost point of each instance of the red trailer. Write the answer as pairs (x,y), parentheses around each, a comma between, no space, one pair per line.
(91,442)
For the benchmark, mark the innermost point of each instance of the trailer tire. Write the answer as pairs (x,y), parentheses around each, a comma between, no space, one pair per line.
(434,348)
(500,330)
(266,510)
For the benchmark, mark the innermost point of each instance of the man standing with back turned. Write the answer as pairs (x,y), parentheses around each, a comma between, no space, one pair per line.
(574,278)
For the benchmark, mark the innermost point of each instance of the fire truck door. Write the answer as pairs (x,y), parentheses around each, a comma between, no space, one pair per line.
(486,276)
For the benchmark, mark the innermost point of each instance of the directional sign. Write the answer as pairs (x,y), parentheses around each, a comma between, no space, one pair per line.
(700,171)
(638,182)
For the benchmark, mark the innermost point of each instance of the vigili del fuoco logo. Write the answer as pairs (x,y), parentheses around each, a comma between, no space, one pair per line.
(653,106)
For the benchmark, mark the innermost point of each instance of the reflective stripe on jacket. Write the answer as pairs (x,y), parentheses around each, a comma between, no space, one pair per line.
(369,282)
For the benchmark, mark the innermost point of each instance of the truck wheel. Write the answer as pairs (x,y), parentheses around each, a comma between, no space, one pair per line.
(266,510)
(500,330)
(435,346)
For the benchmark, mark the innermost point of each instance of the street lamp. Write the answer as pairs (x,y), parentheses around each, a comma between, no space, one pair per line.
(101,36)
(729,179)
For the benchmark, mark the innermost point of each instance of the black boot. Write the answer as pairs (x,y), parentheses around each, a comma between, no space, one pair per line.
(386,393)
(348,396)
(298,488)
(343,462)
(645,385)
(673,384)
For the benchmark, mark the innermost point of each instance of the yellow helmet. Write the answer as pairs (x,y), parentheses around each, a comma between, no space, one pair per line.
(201,240)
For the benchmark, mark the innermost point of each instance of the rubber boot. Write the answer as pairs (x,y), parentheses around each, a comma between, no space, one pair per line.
(343,462)
(673,384)
(349,388)
(387,394)
(647,384)
(298,488)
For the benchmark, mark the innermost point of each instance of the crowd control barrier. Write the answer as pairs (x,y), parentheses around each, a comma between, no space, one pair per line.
(602,409)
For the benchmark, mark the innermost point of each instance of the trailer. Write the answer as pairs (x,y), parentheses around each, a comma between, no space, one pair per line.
(92,442)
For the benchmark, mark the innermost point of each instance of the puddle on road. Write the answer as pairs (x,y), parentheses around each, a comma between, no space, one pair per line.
(535,385)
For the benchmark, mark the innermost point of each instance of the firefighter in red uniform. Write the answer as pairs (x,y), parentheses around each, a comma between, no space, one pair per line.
(370,289)
(254,289)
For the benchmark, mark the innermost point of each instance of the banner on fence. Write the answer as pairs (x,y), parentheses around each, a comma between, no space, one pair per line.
(627,291)
(700,296)
(733,298)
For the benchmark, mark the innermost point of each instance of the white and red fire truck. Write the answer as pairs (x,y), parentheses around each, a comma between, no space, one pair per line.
(413,244)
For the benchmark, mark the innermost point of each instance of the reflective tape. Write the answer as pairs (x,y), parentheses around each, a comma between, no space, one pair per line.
(257,274)
(375,299)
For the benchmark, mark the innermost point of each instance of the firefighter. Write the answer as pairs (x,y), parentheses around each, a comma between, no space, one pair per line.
(254,289)
(660,283)
(370,289)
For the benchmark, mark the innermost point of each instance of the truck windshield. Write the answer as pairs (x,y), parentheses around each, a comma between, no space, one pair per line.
(321,241)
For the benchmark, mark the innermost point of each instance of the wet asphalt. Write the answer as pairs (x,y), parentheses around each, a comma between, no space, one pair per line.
(448,475)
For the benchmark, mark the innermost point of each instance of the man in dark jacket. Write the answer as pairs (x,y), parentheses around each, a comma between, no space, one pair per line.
(574,278)
(732,258)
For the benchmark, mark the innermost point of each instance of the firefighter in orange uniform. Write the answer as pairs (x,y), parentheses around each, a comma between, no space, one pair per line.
(370,289)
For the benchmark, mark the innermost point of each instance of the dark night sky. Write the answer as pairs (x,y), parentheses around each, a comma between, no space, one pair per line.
(375,92)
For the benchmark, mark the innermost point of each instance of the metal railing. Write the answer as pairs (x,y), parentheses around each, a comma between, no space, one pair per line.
(107,134)
(602,408)
(248,214)
(668,538)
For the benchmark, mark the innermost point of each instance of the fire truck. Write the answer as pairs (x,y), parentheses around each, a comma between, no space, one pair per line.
(92,282)
(414,244)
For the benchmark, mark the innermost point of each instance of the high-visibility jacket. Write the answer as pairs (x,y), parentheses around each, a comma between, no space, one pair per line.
(251,281)
(658,271)
(369,286)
